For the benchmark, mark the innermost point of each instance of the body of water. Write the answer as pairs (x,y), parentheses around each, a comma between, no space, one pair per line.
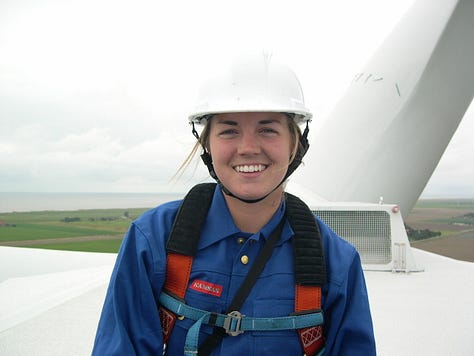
(10,202)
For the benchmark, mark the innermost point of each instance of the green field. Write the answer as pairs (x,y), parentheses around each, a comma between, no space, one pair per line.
(454,219)
(102,230)
(447,216)
(463,204)
(81,230)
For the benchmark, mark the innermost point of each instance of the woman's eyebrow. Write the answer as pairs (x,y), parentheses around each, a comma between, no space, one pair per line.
(269,121)
(227,122)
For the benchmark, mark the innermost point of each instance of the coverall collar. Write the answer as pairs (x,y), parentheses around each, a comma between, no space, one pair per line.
(220,225)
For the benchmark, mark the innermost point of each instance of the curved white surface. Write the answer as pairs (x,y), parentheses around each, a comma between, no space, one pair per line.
(56,313)
(388,132)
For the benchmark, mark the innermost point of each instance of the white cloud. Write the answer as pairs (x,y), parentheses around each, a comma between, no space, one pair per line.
(96,100)
(92,157)
(454,176)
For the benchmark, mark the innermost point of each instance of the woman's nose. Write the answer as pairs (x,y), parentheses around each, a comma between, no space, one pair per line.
(248,144)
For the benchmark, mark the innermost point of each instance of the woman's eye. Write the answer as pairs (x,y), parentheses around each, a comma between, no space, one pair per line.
(229,132)
(268,131)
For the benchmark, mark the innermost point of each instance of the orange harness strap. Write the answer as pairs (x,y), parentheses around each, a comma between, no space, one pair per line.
(308,298)
(178,270)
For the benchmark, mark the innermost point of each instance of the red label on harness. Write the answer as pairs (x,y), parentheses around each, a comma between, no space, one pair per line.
(206,287)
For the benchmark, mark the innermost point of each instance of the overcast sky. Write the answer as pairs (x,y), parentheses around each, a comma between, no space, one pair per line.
(94,94)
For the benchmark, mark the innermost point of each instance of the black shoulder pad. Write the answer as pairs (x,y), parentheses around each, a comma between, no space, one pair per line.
(310,266)
(186,230)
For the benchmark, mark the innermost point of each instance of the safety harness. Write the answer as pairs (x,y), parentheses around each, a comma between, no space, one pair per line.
(310,275)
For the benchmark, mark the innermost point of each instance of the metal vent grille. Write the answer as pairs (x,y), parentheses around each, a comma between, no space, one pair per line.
(368,231)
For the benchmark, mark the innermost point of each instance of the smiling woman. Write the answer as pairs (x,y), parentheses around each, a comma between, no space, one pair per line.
(243,237)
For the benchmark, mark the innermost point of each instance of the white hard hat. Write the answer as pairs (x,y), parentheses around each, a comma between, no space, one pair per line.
(252,84)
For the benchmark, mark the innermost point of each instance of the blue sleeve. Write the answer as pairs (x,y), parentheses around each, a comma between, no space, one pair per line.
(347,319)
(350,326)
(129,323)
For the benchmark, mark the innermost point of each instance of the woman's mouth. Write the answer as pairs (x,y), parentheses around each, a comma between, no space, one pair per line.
(250,168)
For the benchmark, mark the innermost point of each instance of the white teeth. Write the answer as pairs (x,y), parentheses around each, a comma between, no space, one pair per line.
(250,168)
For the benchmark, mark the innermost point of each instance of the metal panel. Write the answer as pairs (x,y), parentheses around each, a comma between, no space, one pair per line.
(368,231)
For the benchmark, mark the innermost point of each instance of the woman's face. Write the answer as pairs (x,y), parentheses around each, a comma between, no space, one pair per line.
(250,151)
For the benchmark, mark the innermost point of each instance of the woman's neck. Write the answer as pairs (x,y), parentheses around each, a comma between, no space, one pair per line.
(251,217)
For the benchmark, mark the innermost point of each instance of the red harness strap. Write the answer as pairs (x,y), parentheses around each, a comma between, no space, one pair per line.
(309,298)
(178,270)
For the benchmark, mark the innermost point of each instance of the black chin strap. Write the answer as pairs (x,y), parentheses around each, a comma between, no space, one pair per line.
(300,152)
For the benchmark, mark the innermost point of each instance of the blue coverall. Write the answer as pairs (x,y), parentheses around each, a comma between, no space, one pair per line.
(130,324)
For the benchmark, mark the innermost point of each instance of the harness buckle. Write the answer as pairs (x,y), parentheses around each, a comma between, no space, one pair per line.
(232,323)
